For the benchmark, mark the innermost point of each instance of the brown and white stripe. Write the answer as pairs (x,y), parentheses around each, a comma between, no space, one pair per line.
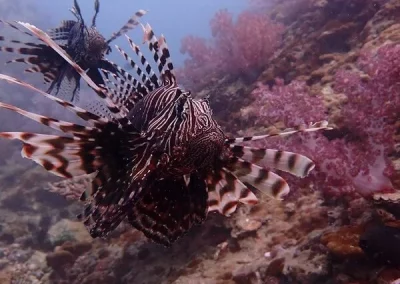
(321,125)
(131,24)
(261,178)
(293,163)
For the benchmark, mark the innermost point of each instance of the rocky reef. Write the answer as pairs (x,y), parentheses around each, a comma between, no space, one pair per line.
(328,59)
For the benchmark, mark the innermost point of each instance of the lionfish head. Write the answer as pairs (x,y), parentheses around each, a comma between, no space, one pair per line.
(206,143)
(97,47)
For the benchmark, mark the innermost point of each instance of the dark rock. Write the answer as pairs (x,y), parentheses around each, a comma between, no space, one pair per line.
(382,243)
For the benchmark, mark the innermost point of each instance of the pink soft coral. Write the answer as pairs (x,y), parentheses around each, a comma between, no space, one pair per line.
(291,104)
(355,156)
(240,48)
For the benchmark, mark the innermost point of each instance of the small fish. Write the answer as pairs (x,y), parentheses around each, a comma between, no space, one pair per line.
(157,158)
(84,44)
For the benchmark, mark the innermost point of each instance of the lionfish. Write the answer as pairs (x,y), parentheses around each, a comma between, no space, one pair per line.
(84,44)
(157,159)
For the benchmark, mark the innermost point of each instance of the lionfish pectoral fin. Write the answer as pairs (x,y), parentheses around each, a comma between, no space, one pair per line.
(293,163)
(168,208)
(59,155)
(95,75)
(66,85)
(321,125)
(39,56)
(226,191)
(118,157)
(265,181)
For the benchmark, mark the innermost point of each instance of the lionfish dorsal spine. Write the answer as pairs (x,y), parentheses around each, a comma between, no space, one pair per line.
(161,54)
(132,23)
(146,81)
(149,70)
(96,12)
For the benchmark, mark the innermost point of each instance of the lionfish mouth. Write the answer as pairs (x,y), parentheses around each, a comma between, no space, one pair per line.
(121,166)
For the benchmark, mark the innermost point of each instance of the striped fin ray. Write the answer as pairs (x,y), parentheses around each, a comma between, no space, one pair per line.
(226,191)
(62,156)
(96,12)
(127,79)
(149,70)
(85,115)
(62,32)
(127,89)
(293,163)
(48,71)
(131,24)
(56,124)
(126,93)
(258,177)
(142,75)
(120,161)
(33,54)
(321,125)
(160,52)
(15,27)
(103,94)
(98,108)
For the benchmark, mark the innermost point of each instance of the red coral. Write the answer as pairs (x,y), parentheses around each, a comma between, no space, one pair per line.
(242,48)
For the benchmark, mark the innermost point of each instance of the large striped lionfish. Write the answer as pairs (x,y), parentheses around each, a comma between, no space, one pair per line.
(157,159)
(84,44)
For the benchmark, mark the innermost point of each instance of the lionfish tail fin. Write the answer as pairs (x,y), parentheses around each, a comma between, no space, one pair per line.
(131,24)
(321,125)
(292,163)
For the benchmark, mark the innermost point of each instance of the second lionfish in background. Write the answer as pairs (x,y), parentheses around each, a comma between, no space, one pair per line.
(157,158)
(83,43)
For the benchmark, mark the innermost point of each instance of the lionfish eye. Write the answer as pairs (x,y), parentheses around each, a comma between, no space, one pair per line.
(89,58)
(181,106)
(207,100)
(203,120)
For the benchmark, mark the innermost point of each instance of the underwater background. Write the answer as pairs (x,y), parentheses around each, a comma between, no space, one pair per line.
(264,64)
